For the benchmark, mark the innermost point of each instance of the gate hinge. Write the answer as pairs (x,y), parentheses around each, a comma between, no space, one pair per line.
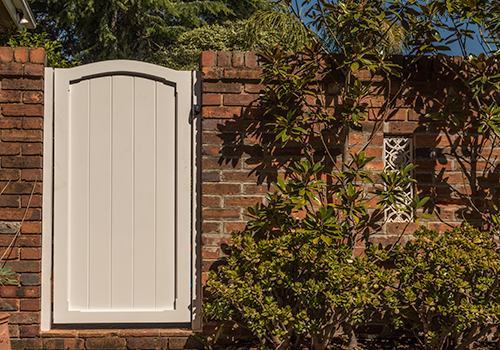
(195,111)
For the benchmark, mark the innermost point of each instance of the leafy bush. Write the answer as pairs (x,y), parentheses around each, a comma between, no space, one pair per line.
(448,291)
(24,38)
(286,284)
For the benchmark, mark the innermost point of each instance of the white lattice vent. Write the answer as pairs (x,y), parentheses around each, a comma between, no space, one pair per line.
(398,152)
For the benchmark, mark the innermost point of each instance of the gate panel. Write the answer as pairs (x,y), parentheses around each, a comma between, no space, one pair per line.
(122,231)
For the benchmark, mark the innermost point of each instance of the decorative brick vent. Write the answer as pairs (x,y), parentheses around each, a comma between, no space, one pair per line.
(398,153)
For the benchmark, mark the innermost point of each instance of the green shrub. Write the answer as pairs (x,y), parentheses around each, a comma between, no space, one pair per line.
(23,38)
(286,285)
(448,291)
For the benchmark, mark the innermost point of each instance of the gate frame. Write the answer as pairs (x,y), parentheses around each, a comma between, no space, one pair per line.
(47,271)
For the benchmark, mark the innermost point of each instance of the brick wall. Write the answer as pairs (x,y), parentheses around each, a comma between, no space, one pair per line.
(239,162)
(21,124)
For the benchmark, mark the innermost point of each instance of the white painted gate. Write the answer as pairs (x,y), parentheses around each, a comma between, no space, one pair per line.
(122,203)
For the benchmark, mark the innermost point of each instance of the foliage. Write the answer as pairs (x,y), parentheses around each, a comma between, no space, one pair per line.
(23,38)
(447,291)
(300,112)
(230,36)
(5,276)
(135,29)
(284,283)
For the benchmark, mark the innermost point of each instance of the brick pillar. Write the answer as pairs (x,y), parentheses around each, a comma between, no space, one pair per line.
(21,124)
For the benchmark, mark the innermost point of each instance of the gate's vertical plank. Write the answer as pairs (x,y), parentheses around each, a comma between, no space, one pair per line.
(122,193)
(79,188)
(165,208)
(144,194)
(100,193)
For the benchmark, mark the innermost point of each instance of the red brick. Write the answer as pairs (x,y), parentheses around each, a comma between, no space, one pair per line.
(211,125)
(10,96)
(8,291)
(210,252)
(242,201)
(22,84)
(257,189)
(22,110)
(220,214)
(254,88)
(25,266)
(30,292)
(212,99)
(26,344)
(356,139)
(224,59)
(239,100)
(234,226)
(33,97)
(241,176)
(210,176)
(31,174)
(251,59)
(9,149)
(36,201)
(11,123)
(238,59)
(432,140)
(140,333)
(222,87)
(6,54)
(59,333)
(216,239)
(22,135)
(21,188)
(11,69)
(13,331)
(210,150)
(209,201)
(403,128)
(147,343)
(34,70)
(210,227)
(204,279)
(22,162)
(175,343)
(243,74)
(221,188)
(76,344)
(30,227)
(32,148)
(397,115)
(33,123)
(208,59)
(106,343)
(221,112)
(31,253)
(29,331)
(18,214)
(13,254)
(9,201)
(212,73)
(38,55)
(21,54)
(25,317)
(98,333)
(28,241)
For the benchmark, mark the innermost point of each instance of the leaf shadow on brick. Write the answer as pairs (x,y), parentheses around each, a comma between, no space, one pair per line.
(471,187)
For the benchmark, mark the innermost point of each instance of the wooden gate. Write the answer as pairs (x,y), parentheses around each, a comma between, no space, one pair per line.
(122,199)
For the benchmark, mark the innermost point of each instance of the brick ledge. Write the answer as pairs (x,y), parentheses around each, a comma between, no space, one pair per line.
(140,332)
